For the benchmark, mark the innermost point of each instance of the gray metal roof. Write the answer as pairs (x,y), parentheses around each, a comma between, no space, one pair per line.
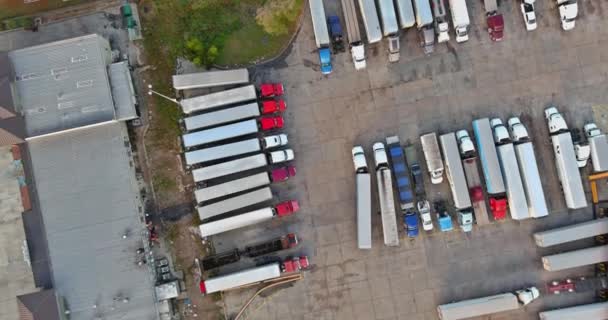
(63,84)
(89,198)
(122,90)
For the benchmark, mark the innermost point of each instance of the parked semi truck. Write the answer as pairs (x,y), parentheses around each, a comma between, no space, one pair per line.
(253,275)
(460,19)
(528,168)
(518,204)
(576,258)
(594,311)
(457,181)
(441,20)
(488,157)
(244,200)
(385,195)
(424,22)
(218,99)
(224,258)
(363,198)
(570,233)
(249,218)
(390,28)
(241,164)
(405,11)
(578,285)
(568,10)
(401,172)
(238,129)
(471,171)
(243,184)
(411,155)
(598,142)
(224,116)
(234,149)
(430,148)
(357,48)
(487,305)
(370,21)
(319,24)
(565,160)
(494,20)
(210,79)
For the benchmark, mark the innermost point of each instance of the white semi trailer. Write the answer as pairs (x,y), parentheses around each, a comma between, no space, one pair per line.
(231,204)
(456,178)
(576,258)
(232,187)
(405,10)
(241,164)
(364,199)
(217,134)
(370,21)
(218,99)
(570,233)
(487,305)
(201,121)
(386,196)
(390,28)
(357,48)
(460,19)
(209,79)
(234,149)
(594,311)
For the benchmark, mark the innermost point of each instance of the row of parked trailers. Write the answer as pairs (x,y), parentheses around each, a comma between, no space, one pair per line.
(223,148)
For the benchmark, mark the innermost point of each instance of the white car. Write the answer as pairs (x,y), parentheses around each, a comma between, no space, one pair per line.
(425,215)
(527,9)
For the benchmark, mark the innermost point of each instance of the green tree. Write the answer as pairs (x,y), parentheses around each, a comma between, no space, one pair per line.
(275,16)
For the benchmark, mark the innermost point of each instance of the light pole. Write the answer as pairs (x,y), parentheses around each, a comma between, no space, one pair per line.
(150,92)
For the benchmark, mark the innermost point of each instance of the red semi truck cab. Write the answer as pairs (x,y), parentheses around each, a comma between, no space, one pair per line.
(268,90)
(287,208)
(496,25)
(295,264)
(272,106)
(498,206)
(283,174)
(269,123)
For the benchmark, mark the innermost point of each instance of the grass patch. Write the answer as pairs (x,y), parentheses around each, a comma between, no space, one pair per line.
(249,44)
(14,8)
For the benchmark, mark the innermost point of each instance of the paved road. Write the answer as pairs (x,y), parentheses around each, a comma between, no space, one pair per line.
(443,93)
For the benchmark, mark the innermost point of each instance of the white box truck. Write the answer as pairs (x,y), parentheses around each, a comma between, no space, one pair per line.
(240,165)
(518,204)
(218,99)
(487,305)
(363,198)
(241,201)
(223,116)
(216,134)
(594,311)
(570,233)
(405,10)
(234,149)
(370,20)
(528,168)
(434,165)
(357,48)
(234,186)
(441,20)
(565,160)
(458,184)
(460,19)
(424,23)
(577,258)
(249,218)
(209,79)
(386,196)
(390,28)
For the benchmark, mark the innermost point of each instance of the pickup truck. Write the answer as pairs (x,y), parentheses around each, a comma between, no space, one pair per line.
(410,222)
(424,209)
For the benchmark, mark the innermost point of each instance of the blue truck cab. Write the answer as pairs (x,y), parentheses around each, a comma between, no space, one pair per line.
(325,60)
(410,223)
(443,217)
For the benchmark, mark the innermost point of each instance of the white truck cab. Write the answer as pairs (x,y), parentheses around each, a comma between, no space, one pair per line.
(358,54)
(465,220)
(466,144)
(568,11)
(281,156)
(555,120)
(525,296)
(501,135)
(380,154)
(591,130)
(359,159)
(519,133)
(425,215)
(275,141)
(583,152)
(527,10)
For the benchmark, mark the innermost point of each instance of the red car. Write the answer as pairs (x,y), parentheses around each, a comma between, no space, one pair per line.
(269,123)
(557,287)
(268,90)
(282,174)
(287,207)
(272,106)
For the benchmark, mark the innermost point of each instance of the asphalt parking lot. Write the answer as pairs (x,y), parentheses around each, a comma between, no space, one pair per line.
(443,92)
